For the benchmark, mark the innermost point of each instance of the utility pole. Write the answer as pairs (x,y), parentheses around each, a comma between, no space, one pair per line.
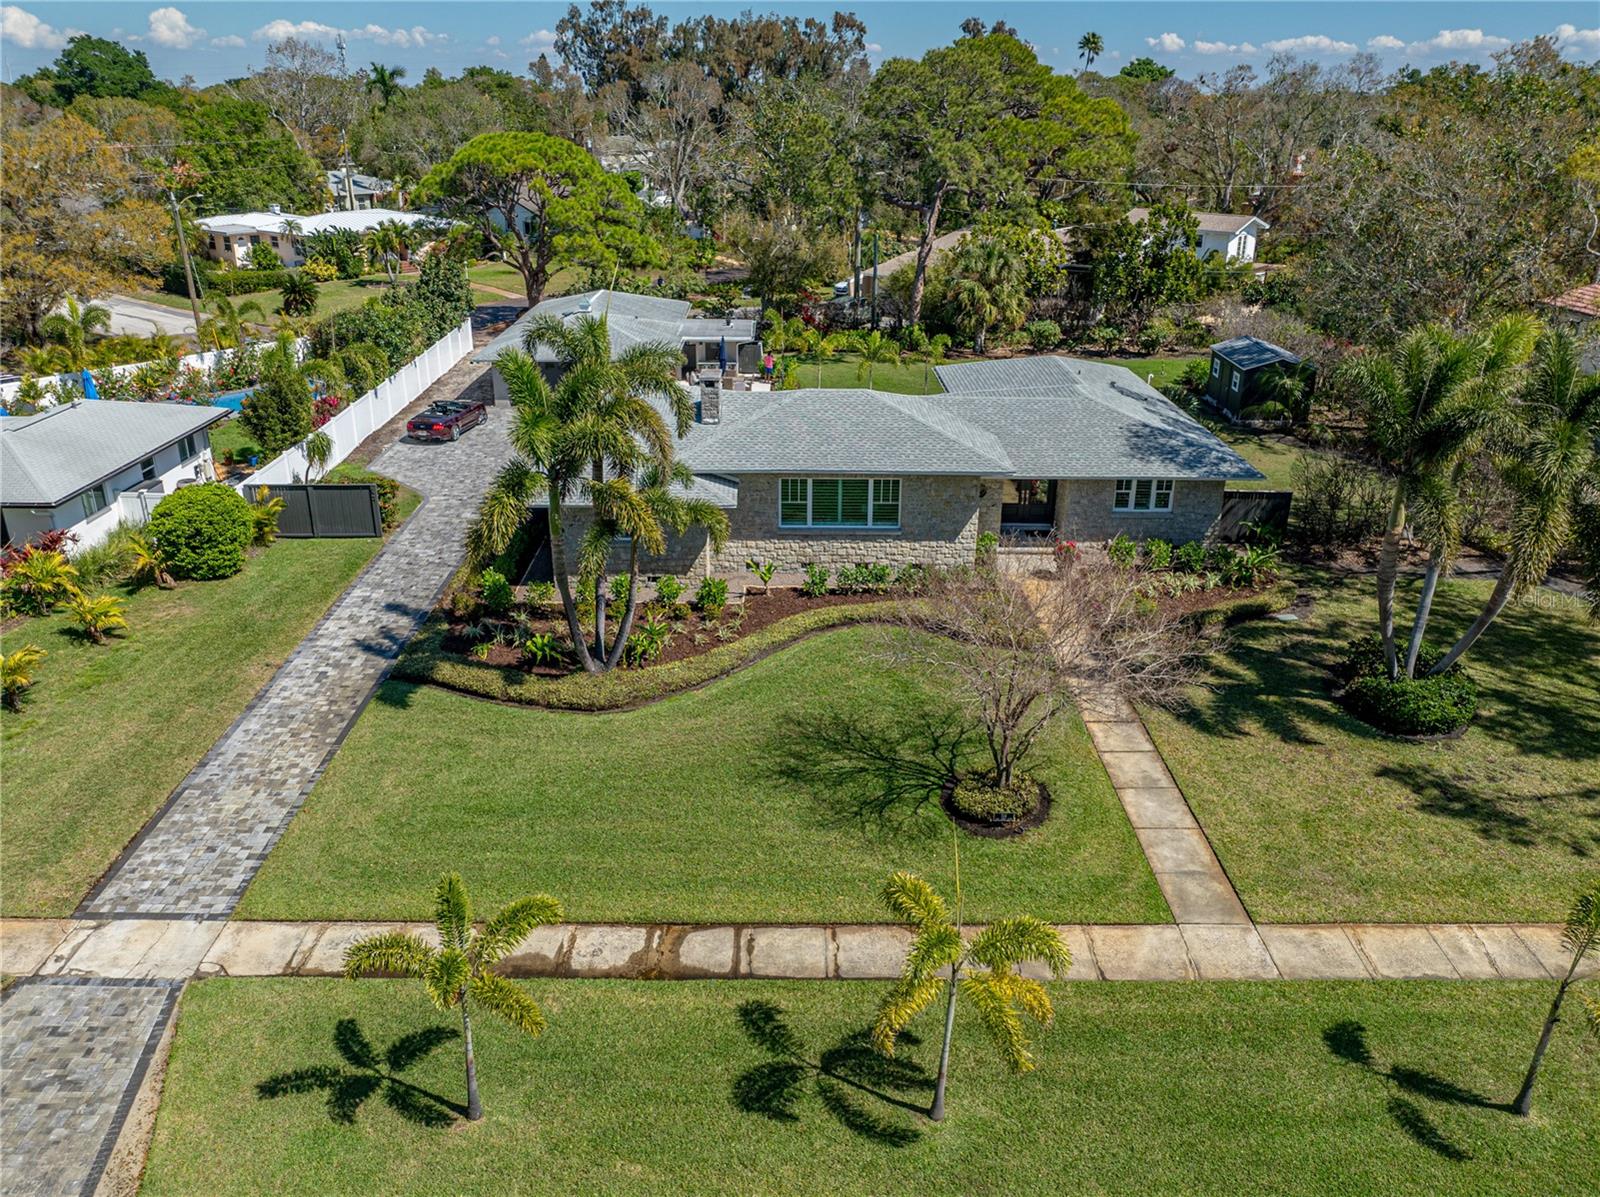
(874,279)
(855,289)
(188,270)
(345,167)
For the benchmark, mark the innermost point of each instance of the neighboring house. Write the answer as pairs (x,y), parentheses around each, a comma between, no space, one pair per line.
(1236,370)
(886,269)
(356,192)
(1043,445)
(229,238)
(88,466)
(1233,237)
(632,320)
(1579,310)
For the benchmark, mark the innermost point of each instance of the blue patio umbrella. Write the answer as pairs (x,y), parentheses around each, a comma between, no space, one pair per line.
(90,391)
(722,353)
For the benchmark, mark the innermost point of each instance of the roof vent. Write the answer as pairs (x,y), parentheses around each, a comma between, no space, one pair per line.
(583,304)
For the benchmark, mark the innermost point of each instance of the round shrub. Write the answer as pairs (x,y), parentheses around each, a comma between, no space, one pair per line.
(202,531)
(1416,706)
(980,800)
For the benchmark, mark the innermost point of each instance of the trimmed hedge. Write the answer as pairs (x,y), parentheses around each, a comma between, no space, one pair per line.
(1419,706)
(424,660)
(1249,606)
(242,282)
(202,531)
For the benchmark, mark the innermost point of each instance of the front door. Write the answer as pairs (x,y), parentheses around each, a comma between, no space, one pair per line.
(1028,503)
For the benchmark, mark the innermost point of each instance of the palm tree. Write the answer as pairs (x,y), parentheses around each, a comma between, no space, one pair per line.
(820,346)
(147,563)
(299,295)
(225,329)
(97,615)
(593,435)
(875,349)
(1552,468)
(983,968)
(385,80)
(986,288)
(461,967)
(1090,47)
(16,674)
(73,329)
(1284,394)
(389,241)
(930,352)
(1428,404)
(1581,935)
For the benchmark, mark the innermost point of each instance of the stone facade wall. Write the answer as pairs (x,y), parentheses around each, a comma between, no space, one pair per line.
(1083,512)
(938,526)
(991,495)
(685,555)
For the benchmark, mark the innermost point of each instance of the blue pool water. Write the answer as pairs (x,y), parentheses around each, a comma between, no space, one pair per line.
(233,400)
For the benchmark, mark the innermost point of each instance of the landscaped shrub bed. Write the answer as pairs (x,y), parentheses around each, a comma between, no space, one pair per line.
(1213,584)
(1414,706)
(975,804)
(426,659)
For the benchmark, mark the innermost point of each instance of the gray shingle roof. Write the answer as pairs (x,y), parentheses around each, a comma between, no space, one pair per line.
(1209,222)
(630,319)
(1250,352)
(48,458)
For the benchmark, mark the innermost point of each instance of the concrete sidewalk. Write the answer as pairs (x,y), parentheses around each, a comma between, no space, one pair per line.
(177,949)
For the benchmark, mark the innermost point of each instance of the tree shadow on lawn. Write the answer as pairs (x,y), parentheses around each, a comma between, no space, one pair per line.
(1347,1040)
(365,1073)
(1568,819)
(884,776)
(842,1076)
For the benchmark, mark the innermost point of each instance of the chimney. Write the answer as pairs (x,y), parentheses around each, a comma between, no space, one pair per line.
(275,209)
(709,409)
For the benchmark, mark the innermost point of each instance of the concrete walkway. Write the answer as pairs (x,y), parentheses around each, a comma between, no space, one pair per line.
(176,949)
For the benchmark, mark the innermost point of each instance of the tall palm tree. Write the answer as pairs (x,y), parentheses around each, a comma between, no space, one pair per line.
(1581,935)
(388,242)
(385,80)
(1428,403)
(1090,47)
(1552,467)
(461,967)
(986,288)
(941,961)
(73,329)
(875,350)
(592,436)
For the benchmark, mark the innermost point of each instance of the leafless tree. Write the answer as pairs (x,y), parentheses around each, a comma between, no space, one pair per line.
(308,91)
(672,126)
(1021,648)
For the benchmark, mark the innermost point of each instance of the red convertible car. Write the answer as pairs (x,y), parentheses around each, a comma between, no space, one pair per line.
(446,420)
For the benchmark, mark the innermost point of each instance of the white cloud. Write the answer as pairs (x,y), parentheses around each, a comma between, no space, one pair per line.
(415,37)
(1224,48)
(1311,43)
(231,39)
(1571,35)
(1462,39)
(1385,41)
(1170,42)
(492,41)
(276,31)
(539,38)
(20,26)
(874,48)
(170,27)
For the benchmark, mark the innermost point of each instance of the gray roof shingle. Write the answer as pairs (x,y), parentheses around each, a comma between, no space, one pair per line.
(631,320)
(47,458)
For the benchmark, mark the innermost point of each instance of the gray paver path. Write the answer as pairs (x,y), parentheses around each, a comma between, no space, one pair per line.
(198,855)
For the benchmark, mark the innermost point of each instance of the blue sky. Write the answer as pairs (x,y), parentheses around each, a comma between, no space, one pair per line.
(217,40)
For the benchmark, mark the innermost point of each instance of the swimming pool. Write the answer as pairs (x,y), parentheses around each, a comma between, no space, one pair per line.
(232,400)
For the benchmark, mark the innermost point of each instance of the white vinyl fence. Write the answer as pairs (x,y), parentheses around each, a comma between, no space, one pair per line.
(370,412)
(74,378)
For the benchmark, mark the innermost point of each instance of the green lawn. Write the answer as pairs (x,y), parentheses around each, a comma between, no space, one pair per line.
(1316,817)
(786,792)
(107,732)
(1382,1088)
(910,378)
(1158,371)
(340,295)
(231,435)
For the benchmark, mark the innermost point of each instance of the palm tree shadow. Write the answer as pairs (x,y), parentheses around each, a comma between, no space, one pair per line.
(1347,1040)
(365,1072)
(882,777)
(851,1079)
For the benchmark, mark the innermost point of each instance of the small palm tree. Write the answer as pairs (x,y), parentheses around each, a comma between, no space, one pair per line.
(1581,935)
(461,967)
(319,447)
(385,80)
(225,329)
(299,295)
(821,347)
(1090,47)
(147,563)
(986,288)
(1284,393)
(16,674)
(389,242)
(930,352)
(875,350)
(98,615)
(72,330)
(940,961)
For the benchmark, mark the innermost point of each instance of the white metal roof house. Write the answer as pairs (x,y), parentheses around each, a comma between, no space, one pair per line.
(230,237)
(1232,236)
(90,465)
(1081,449)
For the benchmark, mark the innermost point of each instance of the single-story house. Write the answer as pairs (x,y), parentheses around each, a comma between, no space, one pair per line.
(1237,367)
(1034,446)
(353,191)
(633,320)
(1579,311)
(229,238)
(90,465)
(1232,236)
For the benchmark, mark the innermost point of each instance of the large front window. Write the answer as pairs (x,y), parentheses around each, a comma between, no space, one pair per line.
(1142,494)
(839,502)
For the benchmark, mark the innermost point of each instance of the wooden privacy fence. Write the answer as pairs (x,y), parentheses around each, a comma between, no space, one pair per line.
(1262,508)
(327,509)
